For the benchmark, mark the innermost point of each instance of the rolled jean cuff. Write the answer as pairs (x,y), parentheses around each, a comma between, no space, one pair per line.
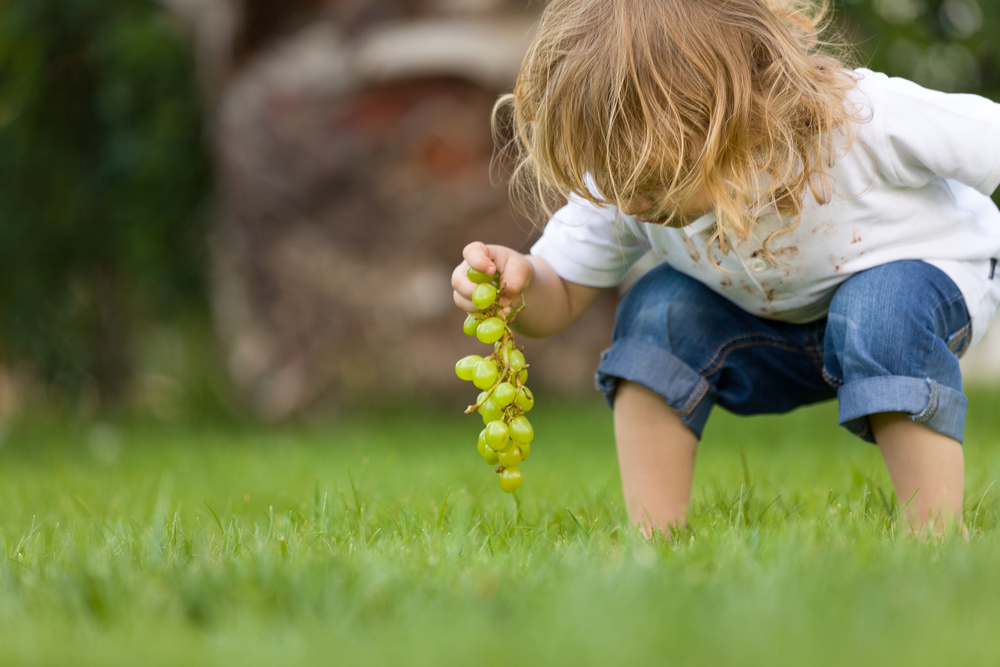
(931,403)
(684,390)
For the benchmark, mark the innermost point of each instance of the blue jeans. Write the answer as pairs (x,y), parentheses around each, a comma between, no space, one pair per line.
(890,343)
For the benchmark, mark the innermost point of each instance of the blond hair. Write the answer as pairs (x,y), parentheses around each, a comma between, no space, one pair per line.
(657,100)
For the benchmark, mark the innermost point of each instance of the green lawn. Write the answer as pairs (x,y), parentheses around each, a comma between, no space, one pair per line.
(387,540)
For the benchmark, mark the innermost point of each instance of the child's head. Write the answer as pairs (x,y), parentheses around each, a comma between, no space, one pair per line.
(666,100)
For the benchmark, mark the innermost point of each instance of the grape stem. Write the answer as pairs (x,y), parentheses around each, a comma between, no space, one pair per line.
(507,335)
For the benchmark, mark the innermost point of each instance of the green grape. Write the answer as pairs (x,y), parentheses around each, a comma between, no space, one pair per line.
(485,451)
(470,325)
(491,456)
(521,430)
(481,445)
(510,480)
(484,296)
(506,439)
(465,366)
(491,330)
(510,458)
(484,374)
(525,400)
(504,394)
(490,411)
(478,276)
(497,436)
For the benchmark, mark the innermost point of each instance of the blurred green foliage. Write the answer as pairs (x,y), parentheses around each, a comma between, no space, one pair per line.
(949,45)
(103,175)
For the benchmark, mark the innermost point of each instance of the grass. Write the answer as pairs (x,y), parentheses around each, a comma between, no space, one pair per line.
(385,540)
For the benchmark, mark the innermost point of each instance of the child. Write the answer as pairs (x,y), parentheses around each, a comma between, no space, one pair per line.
(824,233)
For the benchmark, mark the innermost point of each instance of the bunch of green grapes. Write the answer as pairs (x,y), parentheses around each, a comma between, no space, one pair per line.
(501,377)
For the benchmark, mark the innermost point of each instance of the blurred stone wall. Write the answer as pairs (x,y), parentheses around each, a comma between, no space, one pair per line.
(355,159)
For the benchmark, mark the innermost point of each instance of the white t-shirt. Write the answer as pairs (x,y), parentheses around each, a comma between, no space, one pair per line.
(915,184)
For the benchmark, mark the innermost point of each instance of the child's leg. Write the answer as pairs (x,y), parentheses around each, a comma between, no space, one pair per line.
(656,453)
(891,342)
(679,348)
(926,467)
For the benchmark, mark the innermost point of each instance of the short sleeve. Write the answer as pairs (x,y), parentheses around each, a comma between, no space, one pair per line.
(589,244)
(921,134)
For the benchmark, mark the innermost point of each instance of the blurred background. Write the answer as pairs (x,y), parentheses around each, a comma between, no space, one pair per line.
(252,207)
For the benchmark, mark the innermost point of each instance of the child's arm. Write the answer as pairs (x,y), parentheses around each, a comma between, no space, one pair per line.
(551,303)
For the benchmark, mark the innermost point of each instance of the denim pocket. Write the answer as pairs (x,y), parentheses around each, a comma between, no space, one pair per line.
(959,341)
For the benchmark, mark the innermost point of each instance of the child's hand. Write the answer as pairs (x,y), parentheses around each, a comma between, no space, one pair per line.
(517,273)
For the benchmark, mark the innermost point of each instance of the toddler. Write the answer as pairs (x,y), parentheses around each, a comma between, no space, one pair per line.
(824,232)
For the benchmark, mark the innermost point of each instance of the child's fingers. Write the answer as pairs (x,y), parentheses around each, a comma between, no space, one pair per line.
(478,256)
(461,284)
(490,259)
(516,273)
(464,303)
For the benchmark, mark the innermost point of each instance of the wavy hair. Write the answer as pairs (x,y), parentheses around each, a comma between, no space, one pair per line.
(658,100)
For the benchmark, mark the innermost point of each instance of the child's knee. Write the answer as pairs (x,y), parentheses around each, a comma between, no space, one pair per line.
(903,318)
(890,347)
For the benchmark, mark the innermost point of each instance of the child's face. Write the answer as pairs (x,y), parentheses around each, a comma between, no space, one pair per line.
(649,210)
